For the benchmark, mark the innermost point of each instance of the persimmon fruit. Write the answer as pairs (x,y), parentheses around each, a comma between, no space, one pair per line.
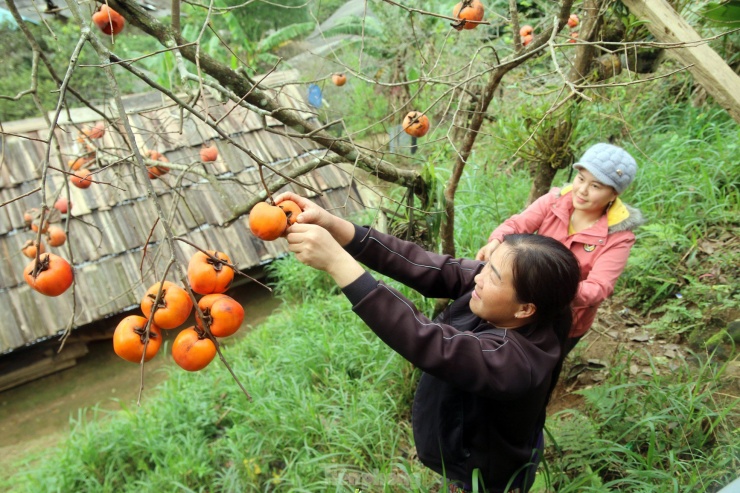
(81,178)
(63,205)
(174,305)
(291,210)
(155,172)
(29,215)
(56,236)
(573,21)
(573,37)
(222,314)
(97,131)
(77,163)
(416,123)
(208,154)
(526,39)
(30,247)
(108,20)
(267,222)
(207,275)
(36,224)
(193,350)
(526,30)
(339,79)
(468,10)
(129,339)
(51,276)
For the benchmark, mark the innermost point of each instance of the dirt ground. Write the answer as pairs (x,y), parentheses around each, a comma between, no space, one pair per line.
(36,415)
(619,331)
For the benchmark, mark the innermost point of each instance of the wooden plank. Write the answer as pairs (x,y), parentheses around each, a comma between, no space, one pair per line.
(12,261)
(11,336)
(22,371)
(707,67)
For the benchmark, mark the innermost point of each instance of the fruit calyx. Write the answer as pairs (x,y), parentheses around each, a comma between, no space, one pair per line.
(207,319)
(216,262)
(162,303)
(41,265)
(141,332)
(202,334)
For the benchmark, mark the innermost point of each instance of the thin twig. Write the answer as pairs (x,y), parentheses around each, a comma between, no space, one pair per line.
(38,189)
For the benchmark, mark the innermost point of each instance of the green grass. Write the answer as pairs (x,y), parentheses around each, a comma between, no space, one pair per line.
(669,431)
(330,401)
(331,410)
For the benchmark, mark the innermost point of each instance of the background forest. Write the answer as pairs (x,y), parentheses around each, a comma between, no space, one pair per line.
(331,403)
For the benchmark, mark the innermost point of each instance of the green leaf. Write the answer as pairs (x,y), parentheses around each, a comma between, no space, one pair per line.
(723,12)
(285,34)
(352,24)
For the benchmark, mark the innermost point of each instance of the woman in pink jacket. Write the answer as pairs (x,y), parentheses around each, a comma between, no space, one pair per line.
(589,218)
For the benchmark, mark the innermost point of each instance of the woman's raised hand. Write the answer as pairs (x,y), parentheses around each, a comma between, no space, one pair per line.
(342,230)
(315,247)
(312,213)
(485,252)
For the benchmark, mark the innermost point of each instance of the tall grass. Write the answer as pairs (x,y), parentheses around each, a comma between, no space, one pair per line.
(666,431)
(330,412)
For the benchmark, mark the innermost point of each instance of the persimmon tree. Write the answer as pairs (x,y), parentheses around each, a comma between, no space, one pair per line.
(442,66)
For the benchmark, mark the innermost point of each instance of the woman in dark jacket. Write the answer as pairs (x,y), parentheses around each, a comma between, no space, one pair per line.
(490,360)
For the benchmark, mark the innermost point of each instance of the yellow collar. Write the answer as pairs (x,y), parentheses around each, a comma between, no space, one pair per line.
(616,213)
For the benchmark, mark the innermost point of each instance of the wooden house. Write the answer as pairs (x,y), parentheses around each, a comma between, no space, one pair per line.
(114,246)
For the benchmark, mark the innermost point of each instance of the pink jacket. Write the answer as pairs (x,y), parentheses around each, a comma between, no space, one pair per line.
(602,250)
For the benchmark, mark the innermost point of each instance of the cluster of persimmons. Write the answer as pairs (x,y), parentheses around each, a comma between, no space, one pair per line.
(81,176)
(47,273)
(167,306)
(52,275)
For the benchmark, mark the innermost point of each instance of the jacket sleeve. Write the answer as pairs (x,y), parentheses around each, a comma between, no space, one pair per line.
(529,220)
(600,282)
(490,365)
(432,275)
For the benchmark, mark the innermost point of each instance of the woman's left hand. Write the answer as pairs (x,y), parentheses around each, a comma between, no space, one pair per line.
(315,247)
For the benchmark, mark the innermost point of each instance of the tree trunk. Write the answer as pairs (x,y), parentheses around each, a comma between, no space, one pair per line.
(541,181)
(544,173)
(707,67)
(590,26)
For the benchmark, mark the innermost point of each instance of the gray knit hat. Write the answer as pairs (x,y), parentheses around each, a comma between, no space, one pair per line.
(611,165)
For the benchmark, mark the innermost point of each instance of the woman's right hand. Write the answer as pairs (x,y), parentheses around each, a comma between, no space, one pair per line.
(484,254)
(340,229)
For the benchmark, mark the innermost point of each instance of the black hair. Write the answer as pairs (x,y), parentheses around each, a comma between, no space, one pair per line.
(546,274)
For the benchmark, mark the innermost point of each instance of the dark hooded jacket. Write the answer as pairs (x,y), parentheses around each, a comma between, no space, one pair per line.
(481,400)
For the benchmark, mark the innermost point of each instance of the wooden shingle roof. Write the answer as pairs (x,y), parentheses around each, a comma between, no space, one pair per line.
(110,224)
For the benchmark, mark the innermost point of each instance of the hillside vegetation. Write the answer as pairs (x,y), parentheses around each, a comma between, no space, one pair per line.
(330,408)
(331,403)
